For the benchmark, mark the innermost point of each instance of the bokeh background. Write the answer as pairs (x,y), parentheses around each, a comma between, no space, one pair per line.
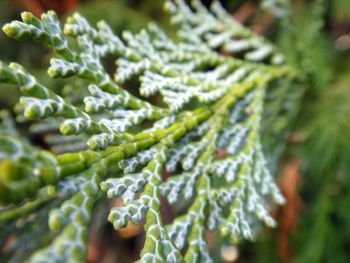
(314,174)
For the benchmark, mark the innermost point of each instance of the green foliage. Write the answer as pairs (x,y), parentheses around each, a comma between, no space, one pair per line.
(322,234)
(240,103)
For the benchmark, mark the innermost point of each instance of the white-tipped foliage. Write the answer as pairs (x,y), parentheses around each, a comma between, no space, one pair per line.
(204,148)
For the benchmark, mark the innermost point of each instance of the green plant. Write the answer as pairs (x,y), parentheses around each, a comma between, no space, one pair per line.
(321,234)
(228,98)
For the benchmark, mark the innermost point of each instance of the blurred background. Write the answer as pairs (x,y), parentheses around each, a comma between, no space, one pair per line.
(314,175)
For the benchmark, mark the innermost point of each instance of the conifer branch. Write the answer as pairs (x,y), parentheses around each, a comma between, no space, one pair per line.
(212,103)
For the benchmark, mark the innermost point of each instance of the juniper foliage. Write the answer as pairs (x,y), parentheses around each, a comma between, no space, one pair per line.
(228,97)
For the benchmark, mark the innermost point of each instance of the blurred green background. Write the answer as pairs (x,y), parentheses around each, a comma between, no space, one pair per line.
(314,225)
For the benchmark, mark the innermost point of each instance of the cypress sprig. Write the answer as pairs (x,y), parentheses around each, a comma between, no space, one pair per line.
(212,104)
